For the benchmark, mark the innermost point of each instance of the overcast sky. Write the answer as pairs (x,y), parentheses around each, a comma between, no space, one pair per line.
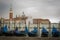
(36,8)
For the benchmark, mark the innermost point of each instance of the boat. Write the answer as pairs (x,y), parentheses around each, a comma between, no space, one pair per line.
(33,33)
(55,32)
(1,31)
(21,33)
(5,31)
(44,32)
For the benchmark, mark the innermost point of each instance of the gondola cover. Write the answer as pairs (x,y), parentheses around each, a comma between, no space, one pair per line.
(33,33)
(44,32)
(55,32)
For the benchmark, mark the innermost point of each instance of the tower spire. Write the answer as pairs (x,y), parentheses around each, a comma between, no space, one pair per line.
(10,7)
(23,15)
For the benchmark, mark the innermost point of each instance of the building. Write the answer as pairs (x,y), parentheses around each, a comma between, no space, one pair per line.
(14,22)
(41,22)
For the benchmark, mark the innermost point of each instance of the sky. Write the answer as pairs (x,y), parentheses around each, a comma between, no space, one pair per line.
(46,9)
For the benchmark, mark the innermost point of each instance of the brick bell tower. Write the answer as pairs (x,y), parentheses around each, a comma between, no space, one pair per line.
(11,14)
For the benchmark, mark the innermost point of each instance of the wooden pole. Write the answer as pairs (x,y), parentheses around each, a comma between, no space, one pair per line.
(49,30)
(25,22)
(0,23)
(59,27)
(14,24)
(28,25)
(9,25)
(19,25)
(38,28)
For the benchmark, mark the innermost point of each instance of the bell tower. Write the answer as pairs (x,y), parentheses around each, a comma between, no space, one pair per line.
(11,14)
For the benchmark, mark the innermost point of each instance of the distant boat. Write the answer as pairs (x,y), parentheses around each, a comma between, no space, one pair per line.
(33,33)
(44,32)
(55,32)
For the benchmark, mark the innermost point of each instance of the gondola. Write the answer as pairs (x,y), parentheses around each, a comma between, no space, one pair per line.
(33,33)
(44,32)
(55,32)
(1,31)
(5,30)
(20,33)
(10,33)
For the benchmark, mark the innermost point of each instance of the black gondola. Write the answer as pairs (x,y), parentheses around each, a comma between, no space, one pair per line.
(44,32)
(33,33)
(55,32)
